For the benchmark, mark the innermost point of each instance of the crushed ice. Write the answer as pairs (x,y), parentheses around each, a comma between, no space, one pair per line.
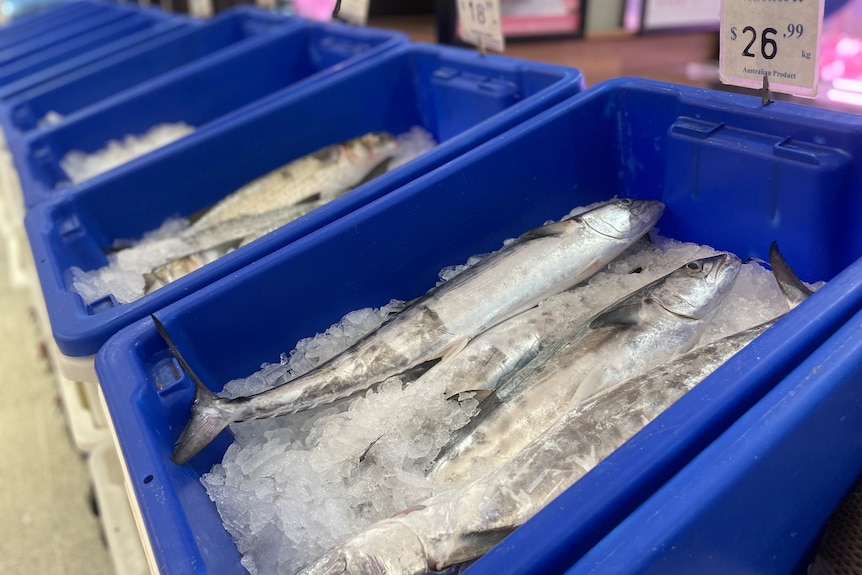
(80,166)
(50,119)
(289,488)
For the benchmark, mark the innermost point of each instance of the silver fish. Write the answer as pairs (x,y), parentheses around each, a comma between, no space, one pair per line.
(192,249)
(518,276)
(644,329)
(463,523)
(273,200)
(324,173)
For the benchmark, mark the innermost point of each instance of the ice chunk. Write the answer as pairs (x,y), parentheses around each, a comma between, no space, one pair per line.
(80,166)
(50,119)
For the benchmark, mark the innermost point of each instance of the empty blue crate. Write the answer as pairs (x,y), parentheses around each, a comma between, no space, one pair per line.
(461,98)
(141,27)
(31,46)
(733,174)
(758,498)
(25,107)
(50,20)
(86,46)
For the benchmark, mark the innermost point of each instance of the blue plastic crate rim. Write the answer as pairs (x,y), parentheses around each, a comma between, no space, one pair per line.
(49,19)
(83,48)
(632,138)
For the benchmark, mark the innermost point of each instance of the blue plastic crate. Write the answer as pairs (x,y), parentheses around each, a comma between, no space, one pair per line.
(50,20)
(32,45)
(757,499)
(160,30)
(461,98)
(238,29)
(81,49)
(785,172)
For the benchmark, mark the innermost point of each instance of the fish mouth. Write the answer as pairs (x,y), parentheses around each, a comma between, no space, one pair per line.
(642,215)
(724,263)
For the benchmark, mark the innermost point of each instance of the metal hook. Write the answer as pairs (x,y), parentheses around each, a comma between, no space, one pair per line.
(765,98)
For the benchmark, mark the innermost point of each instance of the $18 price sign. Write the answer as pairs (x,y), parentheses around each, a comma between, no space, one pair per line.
(353,11)
(479,24)
(779,39)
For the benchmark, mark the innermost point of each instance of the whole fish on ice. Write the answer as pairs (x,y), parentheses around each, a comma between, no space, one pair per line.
(463,523)
(274,199)
(644,329)
(518,276)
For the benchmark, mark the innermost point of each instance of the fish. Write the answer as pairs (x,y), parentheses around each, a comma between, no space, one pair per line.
(326,173)
(494,355)
(516,277)
(642,330)
(271,201)
(462,523)
(192,249)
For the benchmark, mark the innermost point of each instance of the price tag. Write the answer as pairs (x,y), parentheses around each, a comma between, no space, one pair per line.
(353,11)
(779,39)
(479,24)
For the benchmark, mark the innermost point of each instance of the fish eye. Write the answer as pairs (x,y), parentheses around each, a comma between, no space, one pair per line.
(626,202)
(694,266)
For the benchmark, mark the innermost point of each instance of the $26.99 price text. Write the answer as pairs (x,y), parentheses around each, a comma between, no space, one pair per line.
(767,45)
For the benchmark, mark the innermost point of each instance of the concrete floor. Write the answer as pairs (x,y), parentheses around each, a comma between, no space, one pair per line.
(47,524)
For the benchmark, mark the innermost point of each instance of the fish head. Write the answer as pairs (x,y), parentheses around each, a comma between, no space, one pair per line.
(697,288)
(367,150)
(624,218)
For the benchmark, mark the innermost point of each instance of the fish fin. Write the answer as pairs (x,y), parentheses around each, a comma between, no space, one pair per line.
(549,230)
(368,449)
(795,292)
(476,543)
(624,313)
(206,421)
(413,373)
(381,168)
(454,348)
(479,395)
(447,452)
(309,199)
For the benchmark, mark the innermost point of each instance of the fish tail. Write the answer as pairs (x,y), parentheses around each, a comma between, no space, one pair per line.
(209,416)
(795,292)
(206,422)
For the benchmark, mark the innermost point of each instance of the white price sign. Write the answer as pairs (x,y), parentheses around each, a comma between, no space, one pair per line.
(479,24)
(776,39)
(353,11)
